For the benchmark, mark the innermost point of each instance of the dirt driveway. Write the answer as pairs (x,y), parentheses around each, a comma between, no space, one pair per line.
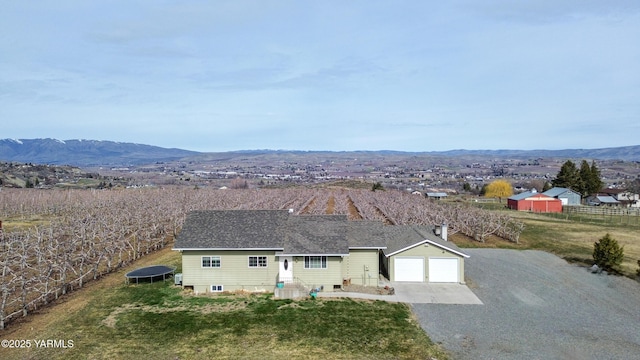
(537,306)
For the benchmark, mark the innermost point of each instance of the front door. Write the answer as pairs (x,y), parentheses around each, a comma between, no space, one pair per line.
(286,269)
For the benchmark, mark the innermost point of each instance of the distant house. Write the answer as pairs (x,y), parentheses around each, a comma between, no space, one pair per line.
(567,196)
(602,200)
(535,202)
(436,195)
(228,250)
(624,197)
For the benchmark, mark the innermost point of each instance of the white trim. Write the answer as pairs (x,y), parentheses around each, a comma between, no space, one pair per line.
(407,248)
(446,248)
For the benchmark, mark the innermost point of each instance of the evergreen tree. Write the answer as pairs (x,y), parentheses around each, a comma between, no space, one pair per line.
(584,178)
(547,186)
(567,176)
(607,253)
(594,184)
(586,181)
(466,187)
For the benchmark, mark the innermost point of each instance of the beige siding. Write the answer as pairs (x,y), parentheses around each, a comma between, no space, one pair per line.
(327,278)
(234,272)
(362,267)
(425,252)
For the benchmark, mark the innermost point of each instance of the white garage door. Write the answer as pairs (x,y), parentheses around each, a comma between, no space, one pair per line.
(443,270)
(409,269)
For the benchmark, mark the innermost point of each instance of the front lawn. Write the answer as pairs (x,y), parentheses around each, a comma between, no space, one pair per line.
(160,321)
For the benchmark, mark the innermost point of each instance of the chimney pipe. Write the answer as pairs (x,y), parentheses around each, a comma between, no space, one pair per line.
(443,234)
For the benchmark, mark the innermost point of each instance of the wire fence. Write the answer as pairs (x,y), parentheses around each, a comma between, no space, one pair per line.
(599,215)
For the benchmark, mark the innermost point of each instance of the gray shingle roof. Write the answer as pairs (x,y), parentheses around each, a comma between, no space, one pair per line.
(233,229)
(408,236)
(316,235)
(366,234)
(401,237)
(297,235)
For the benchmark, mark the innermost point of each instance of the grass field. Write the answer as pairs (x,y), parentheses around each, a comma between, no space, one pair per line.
(109,319)
(570,239)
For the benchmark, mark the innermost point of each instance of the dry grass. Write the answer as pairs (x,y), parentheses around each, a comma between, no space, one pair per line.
(571,240)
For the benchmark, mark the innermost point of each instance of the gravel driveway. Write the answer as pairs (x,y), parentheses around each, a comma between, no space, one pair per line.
(537,306)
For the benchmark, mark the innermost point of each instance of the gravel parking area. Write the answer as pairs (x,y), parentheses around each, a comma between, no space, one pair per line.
(537,306)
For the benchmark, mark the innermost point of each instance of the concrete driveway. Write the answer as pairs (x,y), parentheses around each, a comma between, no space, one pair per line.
(427,293)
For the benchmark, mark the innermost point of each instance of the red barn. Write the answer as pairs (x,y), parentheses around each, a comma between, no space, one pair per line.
(535,202)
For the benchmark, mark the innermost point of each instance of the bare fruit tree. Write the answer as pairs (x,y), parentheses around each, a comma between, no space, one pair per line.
(59,240)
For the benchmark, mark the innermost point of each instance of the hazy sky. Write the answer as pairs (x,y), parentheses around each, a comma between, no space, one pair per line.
(323,75)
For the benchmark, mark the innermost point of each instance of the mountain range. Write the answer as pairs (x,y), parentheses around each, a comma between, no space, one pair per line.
(87,153)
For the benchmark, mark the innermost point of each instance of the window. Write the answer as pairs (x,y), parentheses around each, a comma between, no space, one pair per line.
(216,288)
(211,261)
(315,262)
(257,261)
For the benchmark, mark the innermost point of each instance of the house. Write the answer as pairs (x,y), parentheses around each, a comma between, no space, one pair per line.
(602,200)
(624,197)
(227,250)
(436,195)
(567,196)
(535,202)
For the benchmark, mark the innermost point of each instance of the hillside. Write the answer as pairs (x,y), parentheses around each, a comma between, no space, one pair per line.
(94,153)
(85,153)
(44,176)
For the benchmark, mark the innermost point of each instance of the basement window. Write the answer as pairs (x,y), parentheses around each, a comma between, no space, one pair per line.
(216,288)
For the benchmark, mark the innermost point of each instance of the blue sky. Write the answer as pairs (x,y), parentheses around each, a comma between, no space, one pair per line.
(325,75)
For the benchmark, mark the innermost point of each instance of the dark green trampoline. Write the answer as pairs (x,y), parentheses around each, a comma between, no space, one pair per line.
(151,273)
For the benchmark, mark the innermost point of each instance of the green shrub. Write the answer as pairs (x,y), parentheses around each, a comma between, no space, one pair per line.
(607,253)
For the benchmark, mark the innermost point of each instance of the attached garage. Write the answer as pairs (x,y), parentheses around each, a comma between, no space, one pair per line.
(409,269)
(416,254)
